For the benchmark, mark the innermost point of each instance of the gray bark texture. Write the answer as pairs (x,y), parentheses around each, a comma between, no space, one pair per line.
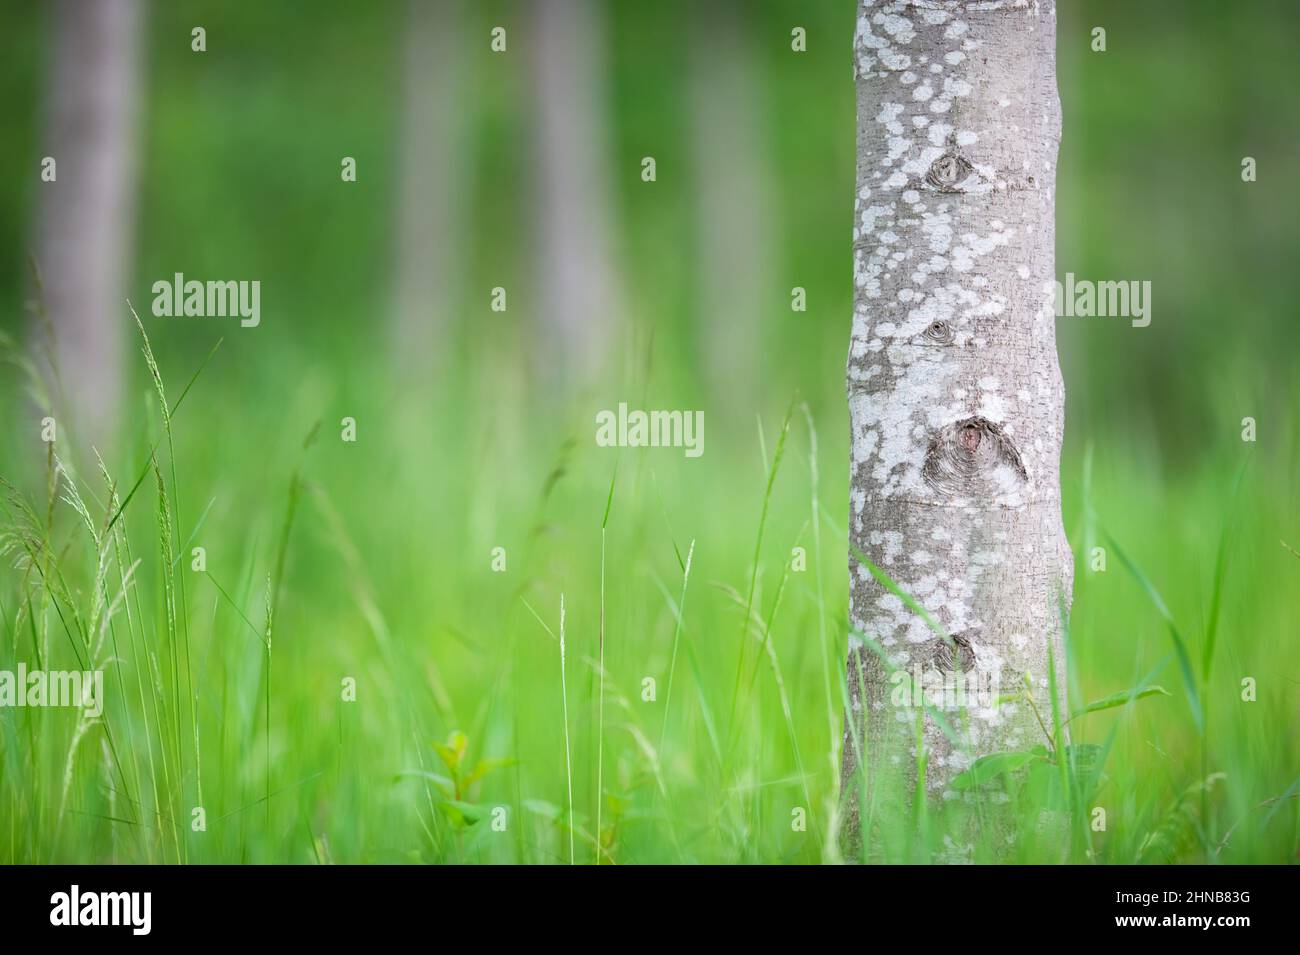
(955,393)
(86,216)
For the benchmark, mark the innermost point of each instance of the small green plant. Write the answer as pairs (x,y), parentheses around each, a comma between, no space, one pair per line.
(1037,773)
(461,779)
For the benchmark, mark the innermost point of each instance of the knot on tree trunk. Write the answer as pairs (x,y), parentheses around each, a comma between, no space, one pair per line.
(955,653)
(973,458)
(939,332)
(948,172)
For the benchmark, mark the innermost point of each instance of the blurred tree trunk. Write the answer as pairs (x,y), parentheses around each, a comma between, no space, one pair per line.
(579,299)
(955,394)
(85,229)
(735,263)
(432,186)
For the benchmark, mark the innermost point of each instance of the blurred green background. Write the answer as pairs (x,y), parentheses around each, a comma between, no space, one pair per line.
(475,430)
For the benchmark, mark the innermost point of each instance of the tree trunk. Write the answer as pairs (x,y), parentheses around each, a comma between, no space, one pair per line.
(955,394)
(579,297)
(732,213)
(85,227)
(433,183)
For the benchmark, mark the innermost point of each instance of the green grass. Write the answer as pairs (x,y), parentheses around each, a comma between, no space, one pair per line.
(509,716)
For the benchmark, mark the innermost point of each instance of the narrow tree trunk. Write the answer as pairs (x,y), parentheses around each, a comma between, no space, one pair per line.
(86,218)
(433,183)
(579,298)
(955,394)
(732,214)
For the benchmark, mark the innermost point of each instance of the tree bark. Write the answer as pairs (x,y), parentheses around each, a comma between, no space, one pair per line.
(86,221)
(955,393)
